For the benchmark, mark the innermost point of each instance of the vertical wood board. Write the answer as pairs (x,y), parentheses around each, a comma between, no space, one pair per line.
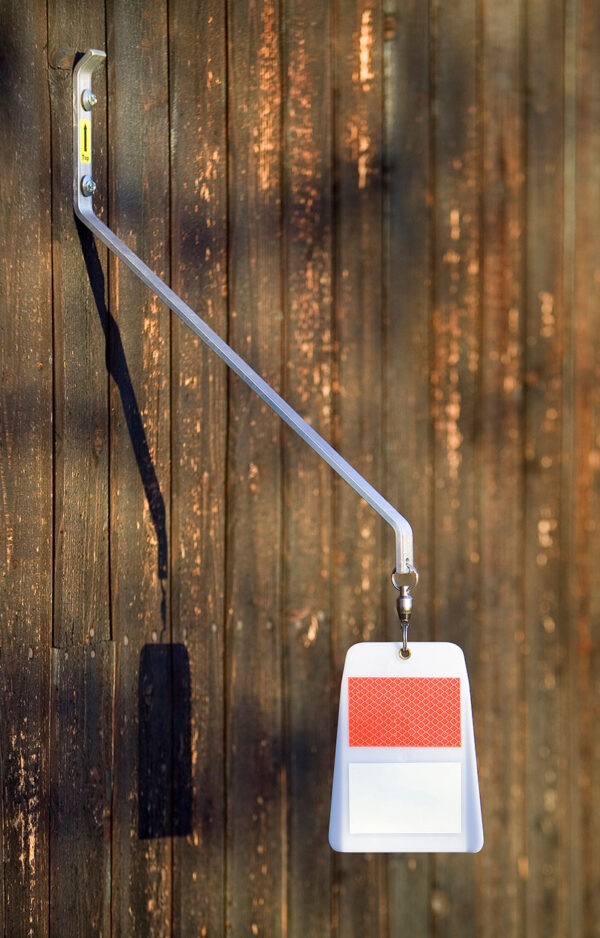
(545,332)
(359,585)
(455,382)
(307,480)
(255,772)
(24,721)
(25,470)
(81,736)
(140,470)
(198,92)
(81,588)
(498,702)
(585,606)
(407,256)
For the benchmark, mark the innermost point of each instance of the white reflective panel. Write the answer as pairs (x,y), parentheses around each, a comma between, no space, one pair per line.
(405,798)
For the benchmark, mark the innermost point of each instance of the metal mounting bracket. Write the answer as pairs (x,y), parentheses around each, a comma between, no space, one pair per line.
(404,577)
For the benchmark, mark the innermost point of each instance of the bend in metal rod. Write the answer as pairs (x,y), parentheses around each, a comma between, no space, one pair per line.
(82,195)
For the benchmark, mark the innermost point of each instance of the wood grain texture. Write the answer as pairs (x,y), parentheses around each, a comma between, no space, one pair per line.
(360,582)
(140,470)
(255,779)
(25,338)
(25,471)
(24,722)
(81,588)
(198,439)
(547,780)
(455,379)
(308,482)
(81,739)
(584,615)
(407,257)
(574,833)
(498,697)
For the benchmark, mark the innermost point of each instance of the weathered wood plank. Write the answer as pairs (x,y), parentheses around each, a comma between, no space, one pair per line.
(571,718)
(255,779)
(81,788)
(360,580)
(547,791)
(24,693)
(307,354)
(498,698)
(455,387)
(25,335)
(81,583)
(199,417)
(140,456)
(585,605)
(25,470)
(79,769)
(406,388)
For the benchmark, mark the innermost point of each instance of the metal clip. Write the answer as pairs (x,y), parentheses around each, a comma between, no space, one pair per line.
(404,603)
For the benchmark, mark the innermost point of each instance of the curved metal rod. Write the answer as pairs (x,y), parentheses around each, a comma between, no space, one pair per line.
(83,188)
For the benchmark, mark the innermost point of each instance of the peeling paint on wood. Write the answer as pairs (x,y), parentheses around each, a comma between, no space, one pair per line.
(138,154)
(198,434)
(255,772)
(307,482)
(359,576)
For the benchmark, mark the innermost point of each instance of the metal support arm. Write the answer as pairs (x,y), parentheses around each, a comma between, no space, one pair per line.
(83,189)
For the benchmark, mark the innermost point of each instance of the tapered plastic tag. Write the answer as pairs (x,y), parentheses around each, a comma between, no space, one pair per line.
(405,777)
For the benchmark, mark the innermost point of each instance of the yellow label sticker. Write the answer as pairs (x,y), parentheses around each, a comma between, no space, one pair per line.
(85,140)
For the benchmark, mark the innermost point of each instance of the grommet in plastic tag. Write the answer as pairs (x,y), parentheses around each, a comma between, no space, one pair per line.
(405,777)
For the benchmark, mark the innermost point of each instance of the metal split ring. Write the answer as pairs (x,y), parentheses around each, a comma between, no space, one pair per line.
(408,580)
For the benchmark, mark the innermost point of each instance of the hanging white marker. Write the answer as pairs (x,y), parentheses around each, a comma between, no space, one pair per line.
(405,777)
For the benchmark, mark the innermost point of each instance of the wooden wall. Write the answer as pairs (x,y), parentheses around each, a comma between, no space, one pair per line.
(391,209)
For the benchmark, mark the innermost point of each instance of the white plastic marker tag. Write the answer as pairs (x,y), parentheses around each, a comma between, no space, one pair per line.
(405,777)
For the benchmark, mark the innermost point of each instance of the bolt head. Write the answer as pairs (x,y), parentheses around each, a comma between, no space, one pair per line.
(88,186)
(88,99)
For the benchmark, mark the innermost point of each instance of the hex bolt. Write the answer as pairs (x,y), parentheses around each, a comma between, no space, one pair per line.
(88,99)
(88,186)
